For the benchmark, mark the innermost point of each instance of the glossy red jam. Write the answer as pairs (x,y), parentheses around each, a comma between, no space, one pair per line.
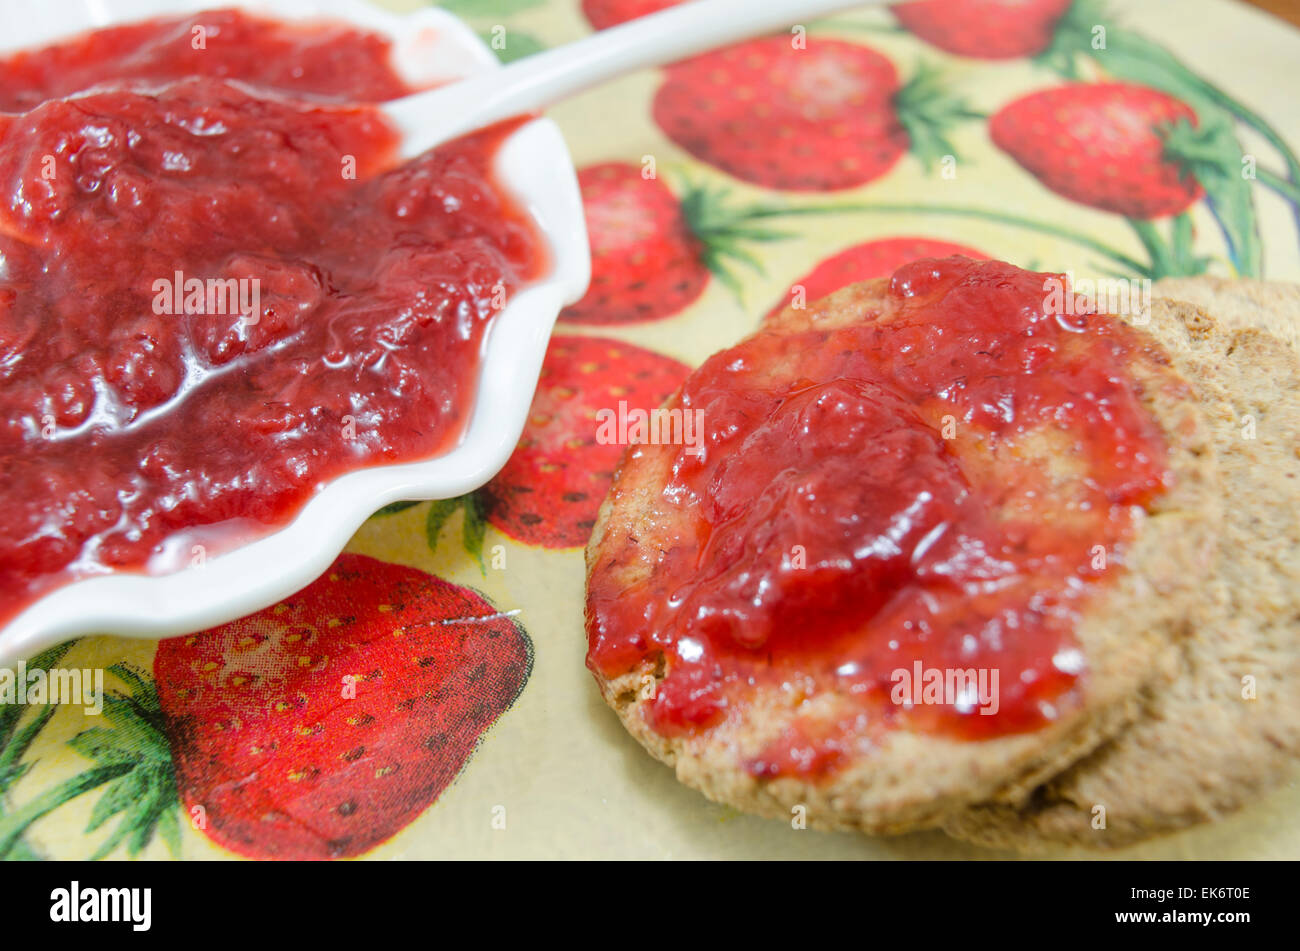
(323,60)
(212,302)
(846,519)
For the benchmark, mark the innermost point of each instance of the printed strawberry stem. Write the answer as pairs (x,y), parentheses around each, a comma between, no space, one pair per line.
(473,529)
(1283,186)
(1073,36)
(1131,264)
(15,742)
(928,112)
(1209,151)
(723,230)
(134,764)
(727,227)
(1174,258)
(1186,263)
(1162,262)
(393,508)
(11,767)
(487,8)
(146,797)
(16,823)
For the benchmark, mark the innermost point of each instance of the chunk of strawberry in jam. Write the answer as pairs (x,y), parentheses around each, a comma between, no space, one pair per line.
(759,591)
(287,293)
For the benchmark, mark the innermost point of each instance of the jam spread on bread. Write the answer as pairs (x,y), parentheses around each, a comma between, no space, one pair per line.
(215,298)
(940,487)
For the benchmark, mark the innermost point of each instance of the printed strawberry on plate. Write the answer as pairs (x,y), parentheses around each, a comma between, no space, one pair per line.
(646,262)
(831,115)
(317,728)
(652,253)
(323,725)
(984,29)
(551,488)
(602,14)
(1103,144)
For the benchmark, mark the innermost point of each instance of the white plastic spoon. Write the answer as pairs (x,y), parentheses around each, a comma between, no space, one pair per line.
(429,118)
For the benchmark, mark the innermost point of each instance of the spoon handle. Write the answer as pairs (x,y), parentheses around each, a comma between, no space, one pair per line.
(527,85)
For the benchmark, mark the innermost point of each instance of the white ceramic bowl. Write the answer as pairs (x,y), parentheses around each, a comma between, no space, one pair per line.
(533,164)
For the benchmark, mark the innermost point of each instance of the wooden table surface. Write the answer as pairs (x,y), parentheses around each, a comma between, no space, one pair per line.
(1286,9)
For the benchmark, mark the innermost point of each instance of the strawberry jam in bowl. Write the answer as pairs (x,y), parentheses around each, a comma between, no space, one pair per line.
(234,321)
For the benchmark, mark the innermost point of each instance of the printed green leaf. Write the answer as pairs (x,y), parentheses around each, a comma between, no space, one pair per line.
(144,798)
(11,713)
(1174,257)
(133,763)
(513,44)
(393,508)
(22,852)
(474,529)
(479,9)
(14,824)
(439,511)
(724,228)
(1186,261)
(116,798)
(170,833)
(15,742)
(1130,266)
(11,774)
(928,111)
(11,766)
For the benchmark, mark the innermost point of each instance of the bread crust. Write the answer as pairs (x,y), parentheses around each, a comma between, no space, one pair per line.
(916,780)
(1200,748)
(1270,306)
